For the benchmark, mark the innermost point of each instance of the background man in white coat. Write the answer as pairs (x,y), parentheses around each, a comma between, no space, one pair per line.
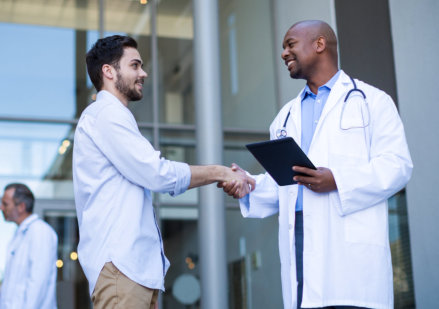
(30,273)
(333,227)
(115,169)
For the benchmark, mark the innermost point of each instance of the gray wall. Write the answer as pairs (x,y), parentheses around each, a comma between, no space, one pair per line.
(415,41)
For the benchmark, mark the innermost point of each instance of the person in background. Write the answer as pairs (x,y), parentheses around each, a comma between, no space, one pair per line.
(115,171)
(333,225)
(30,274)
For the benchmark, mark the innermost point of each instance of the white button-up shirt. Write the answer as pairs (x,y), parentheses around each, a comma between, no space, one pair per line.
(114,171)
(30,274)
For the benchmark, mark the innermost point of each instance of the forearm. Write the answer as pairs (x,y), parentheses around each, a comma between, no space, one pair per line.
(206,174)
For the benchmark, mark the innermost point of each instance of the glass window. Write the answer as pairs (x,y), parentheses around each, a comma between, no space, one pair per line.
(400,246)
(247,64)
(175,54)
(38,75)
(253,260)
(38,155)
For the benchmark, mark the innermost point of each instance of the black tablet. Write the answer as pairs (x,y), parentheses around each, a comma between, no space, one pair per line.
(278,157)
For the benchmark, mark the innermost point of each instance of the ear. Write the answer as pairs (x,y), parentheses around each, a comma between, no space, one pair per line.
(21,208)
(320,44)
(108,71)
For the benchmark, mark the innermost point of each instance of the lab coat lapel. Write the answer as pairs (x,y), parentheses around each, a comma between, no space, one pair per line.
(336,95)
(20,232)
(296,117)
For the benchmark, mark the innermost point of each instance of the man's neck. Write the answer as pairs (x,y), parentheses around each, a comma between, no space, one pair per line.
(117,94)
(320,78)
(22,218)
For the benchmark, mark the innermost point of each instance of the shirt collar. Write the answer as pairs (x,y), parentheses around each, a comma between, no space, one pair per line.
(329,84)
(27,222)
(108,96)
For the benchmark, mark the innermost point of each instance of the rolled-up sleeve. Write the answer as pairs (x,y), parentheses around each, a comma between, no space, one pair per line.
(183,178)
(116,134)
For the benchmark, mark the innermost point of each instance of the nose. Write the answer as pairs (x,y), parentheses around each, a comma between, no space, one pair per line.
(143,74)
(284,54)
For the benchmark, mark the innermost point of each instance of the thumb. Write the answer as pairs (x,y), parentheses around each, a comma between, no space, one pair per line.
(252,182)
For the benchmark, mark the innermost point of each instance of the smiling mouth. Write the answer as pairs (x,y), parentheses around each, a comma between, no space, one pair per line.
(140,83)
(290,64)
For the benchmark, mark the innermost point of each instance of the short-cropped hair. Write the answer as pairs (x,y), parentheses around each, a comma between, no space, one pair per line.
(22,194)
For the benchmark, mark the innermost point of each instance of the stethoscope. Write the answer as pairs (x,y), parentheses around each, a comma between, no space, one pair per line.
(282,132)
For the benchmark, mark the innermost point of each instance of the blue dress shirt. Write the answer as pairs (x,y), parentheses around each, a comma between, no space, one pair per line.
(312,107)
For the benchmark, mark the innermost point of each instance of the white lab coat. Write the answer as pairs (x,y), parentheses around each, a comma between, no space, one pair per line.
(30,273)
(346,247)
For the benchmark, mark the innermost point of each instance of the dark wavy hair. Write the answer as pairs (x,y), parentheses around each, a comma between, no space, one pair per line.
(22,194)
(108,50)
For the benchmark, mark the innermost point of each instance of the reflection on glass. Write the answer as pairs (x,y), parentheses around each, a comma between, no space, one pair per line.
(38,155)
(7,230)
(175,36)
(37,77)
(400,246)
(247,64)
(72,286)
(180,239)
(253,260)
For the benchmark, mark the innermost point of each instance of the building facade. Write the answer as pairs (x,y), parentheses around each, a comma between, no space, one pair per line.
(44,88)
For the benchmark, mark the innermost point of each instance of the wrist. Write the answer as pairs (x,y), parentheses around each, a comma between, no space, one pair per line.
(221,173)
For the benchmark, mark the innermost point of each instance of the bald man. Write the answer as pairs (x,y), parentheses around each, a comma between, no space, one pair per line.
(333,229)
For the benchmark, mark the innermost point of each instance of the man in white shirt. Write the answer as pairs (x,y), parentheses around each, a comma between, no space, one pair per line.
(30,273)
(115,169)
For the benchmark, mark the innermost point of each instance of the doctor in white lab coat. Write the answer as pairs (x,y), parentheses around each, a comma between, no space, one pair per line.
(30,274)
(346,253)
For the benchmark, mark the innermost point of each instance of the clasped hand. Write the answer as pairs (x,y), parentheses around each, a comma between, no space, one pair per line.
(320,180)
(239,185)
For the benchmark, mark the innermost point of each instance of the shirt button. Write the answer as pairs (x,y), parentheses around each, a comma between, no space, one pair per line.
(315,121)
(318,101)
(290,226)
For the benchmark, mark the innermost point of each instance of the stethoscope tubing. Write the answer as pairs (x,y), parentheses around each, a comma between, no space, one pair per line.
(282,132)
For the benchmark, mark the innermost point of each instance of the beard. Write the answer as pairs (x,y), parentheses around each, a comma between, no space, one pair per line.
(122,85)
(296,73)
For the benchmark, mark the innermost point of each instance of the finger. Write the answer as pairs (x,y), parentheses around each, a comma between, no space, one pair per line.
(304,179)
(228,185)
(236,167)
(305,170)
(233,190)
(308,185)
(237,195)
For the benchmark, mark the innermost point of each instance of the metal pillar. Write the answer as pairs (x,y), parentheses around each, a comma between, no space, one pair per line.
(211,224)
(101,18)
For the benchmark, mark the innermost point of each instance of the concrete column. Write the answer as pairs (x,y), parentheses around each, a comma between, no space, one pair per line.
(211,225)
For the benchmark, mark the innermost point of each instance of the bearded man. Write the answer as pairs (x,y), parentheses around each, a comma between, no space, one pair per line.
(115,169)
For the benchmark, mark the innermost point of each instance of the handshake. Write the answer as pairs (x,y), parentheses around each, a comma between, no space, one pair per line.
(239,184)
(234,180)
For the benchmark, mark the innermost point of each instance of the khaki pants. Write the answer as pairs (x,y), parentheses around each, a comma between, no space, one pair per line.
(114,290)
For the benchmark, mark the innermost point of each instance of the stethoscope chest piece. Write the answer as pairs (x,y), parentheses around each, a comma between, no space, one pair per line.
(281,133)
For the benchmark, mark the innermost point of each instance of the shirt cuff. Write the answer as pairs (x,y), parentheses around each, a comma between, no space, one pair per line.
(244,204)
(183,181)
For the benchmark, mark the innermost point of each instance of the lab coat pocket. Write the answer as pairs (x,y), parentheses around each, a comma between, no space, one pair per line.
(366,227)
